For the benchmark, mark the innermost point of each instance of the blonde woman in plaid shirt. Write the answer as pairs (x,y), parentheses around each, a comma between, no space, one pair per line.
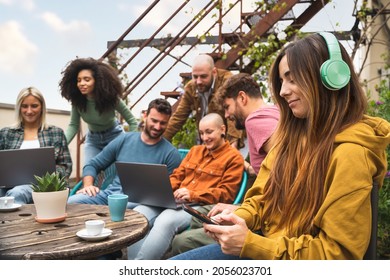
(32,131)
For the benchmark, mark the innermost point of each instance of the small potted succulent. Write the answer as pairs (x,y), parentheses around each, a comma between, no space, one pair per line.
(50,195)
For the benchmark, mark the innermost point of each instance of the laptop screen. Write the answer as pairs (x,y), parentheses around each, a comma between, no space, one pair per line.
(146,183)
(18,167)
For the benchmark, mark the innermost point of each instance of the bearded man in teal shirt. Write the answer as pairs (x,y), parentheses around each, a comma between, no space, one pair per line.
(147,146)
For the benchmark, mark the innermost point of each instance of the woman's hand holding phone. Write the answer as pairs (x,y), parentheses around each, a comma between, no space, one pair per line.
(231,237)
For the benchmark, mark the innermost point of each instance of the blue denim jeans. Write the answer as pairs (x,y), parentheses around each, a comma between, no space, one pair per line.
(165,224)
(101,197)
(96,141)
(209,252)
(22,194)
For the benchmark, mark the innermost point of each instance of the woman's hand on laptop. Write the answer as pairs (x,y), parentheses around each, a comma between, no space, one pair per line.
(89,190)
(182,194)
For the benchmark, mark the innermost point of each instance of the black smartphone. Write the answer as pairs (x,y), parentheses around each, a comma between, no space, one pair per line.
(198,215)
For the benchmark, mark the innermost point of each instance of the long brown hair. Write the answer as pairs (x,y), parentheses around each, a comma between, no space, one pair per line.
(295,188)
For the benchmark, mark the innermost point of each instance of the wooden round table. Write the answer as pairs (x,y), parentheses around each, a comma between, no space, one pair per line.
(21,237)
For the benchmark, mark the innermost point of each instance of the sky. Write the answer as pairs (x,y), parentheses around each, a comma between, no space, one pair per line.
(39,37)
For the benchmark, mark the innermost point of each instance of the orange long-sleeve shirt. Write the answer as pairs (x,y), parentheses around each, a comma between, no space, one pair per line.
(211,177)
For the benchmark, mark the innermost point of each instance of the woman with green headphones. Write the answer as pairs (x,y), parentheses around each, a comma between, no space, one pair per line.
(311,199)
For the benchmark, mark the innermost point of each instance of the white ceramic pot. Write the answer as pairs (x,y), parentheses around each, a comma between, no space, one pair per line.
(50,206)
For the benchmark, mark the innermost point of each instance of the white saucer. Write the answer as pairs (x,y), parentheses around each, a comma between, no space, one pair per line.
(12,208)
(83,234)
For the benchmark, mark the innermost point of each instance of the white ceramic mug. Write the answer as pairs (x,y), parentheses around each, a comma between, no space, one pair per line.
(7,201)
(94,227)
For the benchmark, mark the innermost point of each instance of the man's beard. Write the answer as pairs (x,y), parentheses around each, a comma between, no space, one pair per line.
(147,130)
(205,88)
(239,121)
(239,124)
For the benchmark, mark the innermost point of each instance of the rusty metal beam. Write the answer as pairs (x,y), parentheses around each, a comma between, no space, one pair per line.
(309,13)
(158,42)
(166,49)
(175,41)
(297,24)
(153,36)
(120,39)
(265,24)
(183,55)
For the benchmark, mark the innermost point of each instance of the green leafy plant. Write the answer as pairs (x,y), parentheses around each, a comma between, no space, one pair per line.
(186,137)
(49,183)
(381,108)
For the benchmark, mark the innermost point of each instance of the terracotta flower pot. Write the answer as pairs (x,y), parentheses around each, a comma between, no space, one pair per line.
(50,206)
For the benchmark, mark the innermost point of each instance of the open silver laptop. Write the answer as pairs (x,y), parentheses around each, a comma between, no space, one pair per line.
(18,167)
(147,184)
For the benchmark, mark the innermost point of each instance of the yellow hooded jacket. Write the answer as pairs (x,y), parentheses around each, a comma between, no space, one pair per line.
(344,219)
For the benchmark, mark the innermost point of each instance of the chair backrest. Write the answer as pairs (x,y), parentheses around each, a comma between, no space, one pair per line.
(371,253)
(241,191)
(183,153)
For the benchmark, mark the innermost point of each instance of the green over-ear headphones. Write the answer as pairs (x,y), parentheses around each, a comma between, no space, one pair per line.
(335,73)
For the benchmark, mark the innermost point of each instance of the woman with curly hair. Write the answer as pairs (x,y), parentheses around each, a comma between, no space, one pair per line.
(94,90)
